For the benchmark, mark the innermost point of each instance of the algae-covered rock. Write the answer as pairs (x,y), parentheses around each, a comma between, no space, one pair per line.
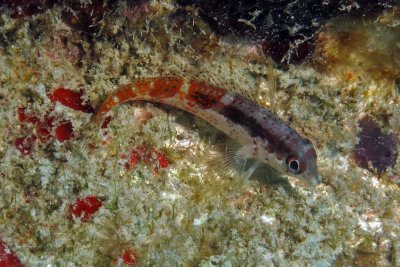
(149,185)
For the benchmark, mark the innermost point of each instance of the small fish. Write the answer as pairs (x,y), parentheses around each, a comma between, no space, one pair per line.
(262,134)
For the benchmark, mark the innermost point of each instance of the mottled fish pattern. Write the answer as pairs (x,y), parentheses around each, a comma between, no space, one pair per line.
(263,135)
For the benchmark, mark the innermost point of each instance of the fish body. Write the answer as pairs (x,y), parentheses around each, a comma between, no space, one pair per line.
(262,134)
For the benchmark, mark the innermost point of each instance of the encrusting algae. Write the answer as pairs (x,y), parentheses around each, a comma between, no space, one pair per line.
(139,190)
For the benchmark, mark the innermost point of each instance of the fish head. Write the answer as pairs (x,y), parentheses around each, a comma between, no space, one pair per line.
(303,164)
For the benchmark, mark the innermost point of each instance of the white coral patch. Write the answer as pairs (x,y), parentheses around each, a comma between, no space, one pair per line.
(267,219)
(373,225)
(201,219)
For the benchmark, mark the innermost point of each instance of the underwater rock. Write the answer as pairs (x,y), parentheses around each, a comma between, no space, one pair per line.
(179,18)
(24,144)
(285,51)
(341,49)
(66,46)
(49,126)
(285,28)
(376,151)
(147,155)
(137,9)
(26,8)
(43,129)
(86,17)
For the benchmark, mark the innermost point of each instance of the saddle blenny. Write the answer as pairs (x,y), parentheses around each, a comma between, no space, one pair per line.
(262,135)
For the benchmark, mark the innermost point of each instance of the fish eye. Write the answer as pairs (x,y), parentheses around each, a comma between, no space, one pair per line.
(293,164)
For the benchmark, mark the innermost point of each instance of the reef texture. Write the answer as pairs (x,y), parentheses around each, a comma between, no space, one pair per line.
(285,29)
(148,186)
